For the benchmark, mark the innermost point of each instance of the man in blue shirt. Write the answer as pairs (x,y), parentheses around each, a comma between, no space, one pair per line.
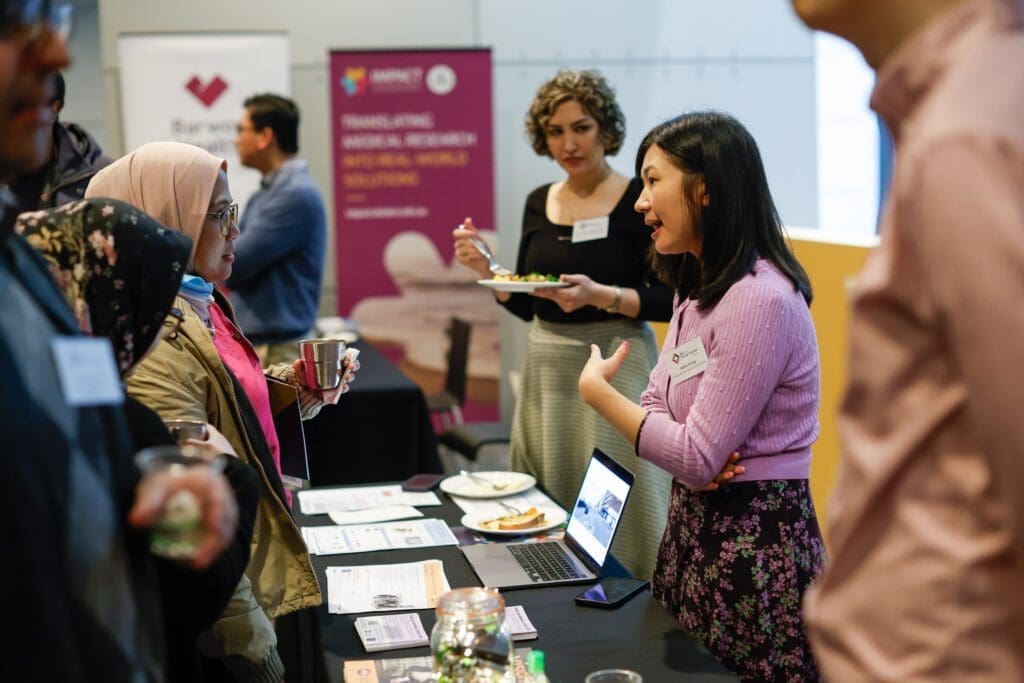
(279,256)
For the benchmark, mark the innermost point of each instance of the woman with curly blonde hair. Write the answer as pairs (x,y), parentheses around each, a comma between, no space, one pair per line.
(583,229)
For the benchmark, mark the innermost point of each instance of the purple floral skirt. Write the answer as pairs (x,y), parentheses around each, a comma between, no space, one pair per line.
(733,566)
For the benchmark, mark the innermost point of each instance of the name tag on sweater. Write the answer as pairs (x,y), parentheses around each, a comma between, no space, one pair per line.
(590,229)
(687,360)
(87,370)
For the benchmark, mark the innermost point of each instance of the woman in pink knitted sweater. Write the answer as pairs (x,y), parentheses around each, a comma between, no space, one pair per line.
(738,372)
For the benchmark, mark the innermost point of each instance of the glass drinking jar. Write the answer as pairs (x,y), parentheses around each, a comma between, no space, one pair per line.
(470,641)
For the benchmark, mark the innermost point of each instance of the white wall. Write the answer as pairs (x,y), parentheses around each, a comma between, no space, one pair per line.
(84,102)
(748,57)
(847,140)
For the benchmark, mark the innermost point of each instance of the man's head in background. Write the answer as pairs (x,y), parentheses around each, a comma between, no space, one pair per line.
(268,132)
(33,46)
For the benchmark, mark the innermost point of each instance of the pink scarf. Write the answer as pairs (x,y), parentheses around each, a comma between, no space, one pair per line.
(171,181)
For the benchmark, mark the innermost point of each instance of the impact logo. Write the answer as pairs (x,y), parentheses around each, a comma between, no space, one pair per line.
(441,79)
(206,93)
(354,81)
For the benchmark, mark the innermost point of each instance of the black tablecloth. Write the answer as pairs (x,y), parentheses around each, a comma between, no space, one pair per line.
(379,431)
(640,635)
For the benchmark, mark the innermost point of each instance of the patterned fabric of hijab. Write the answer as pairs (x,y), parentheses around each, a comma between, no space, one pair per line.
(171,181)
(118,268)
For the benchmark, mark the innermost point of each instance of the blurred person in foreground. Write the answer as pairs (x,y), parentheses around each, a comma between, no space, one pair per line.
(279,264)
(927,519)
(82,582)
(73,159)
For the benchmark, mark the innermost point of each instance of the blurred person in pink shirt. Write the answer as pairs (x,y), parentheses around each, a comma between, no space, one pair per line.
(927,520)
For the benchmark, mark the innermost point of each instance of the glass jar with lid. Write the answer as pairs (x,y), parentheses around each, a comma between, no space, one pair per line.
(470,641)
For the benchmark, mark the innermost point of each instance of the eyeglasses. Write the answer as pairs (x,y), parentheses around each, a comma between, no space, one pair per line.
(227,217)
(173,320)
(36,17)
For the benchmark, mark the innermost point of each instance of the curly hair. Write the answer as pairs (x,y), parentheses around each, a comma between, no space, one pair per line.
(597,98)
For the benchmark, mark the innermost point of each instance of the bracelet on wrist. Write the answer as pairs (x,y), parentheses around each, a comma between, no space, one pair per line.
(616,302)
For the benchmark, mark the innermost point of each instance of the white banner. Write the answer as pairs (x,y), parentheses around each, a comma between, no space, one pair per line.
(190,88)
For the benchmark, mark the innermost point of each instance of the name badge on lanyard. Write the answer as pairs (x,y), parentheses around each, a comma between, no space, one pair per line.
(687,360)
(87,371)
(590,229)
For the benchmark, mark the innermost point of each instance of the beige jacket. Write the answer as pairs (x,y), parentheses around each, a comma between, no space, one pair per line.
(184,378)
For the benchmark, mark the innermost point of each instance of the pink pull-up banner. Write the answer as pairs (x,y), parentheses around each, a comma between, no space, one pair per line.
(413,156)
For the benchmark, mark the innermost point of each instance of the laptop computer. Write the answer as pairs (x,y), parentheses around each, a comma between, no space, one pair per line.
(578,558)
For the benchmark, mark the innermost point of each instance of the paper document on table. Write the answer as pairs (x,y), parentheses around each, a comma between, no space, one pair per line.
(384,514)
(320,501)
(391,631)
(385,587)
(364,538)
(491,507)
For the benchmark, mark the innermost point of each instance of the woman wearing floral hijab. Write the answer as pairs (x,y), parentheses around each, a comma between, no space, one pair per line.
(117,267)
(208,372)
(120,271)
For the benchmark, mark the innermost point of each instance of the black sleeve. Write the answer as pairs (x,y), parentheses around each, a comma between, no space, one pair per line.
(655,301)
(147,429)
(193,600)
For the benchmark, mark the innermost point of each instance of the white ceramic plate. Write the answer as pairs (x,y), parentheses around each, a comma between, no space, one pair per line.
(552,518)
(461,485)
(516,286)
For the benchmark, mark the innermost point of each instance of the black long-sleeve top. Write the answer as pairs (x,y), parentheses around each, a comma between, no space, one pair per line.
(622,258)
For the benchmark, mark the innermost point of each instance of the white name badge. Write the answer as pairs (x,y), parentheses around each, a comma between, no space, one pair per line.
(87,370)
(687,360)
(590,229)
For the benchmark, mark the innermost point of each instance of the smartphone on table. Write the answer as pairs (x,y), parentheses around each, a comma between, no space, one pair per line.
(610,592)
(422,482)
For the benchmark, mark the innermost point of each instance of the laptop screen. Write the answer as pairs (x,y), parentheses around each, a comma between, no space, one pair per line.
(599,506)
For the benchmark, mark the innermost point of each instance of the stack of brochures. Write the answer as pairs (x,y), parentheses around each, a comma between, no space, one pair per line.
(391,631)
(396,631)
(519,625)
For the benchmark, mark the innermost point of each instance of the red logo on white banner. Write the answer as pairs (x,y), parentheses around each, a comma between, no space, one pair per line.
(207,94)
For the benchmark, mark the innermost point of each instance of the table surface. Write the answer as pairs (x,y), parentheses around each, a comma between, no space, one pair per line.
(640,635)
(379,431)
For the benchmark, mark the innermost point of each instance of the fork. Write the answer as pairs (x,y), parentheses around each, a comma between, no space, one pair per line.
(511,508)
(486,482)
(492,263)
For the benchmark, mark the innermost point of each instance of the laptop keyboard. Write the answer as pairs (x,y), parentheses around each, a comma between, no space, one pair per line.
(544,561)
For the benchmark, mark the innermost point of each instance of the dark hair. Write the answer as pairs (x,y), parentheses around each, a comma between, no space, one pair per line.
(58,88)
(280,115)
(595,96)
(740,222)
